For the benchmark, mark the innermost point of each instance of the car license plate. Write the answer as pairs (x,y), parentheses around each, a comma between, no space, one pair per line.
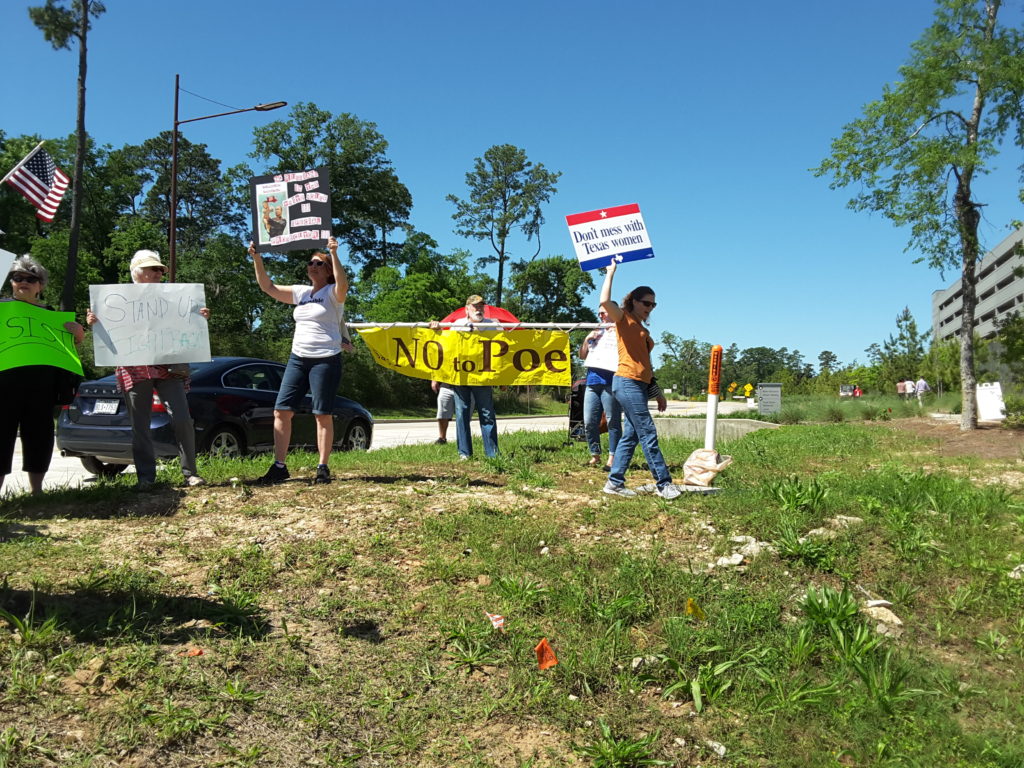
(105,406)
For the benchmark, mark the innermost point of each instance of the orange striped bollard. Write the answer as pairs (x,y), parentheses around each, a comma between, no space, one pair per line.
(714,384)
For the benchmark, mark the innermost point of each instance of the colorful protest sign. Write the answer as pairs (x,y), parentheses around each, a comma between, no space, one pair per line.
(477,358)
(609,233)
(31,335)
(291,211)
(149,324)
(6,259)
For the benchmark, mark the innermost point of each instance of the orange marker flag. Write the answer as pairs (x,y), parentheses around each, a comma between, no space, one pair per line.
(545,655)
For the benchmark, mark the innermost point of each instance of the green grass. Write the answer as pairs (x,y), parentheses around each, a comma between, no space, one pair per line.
(345,625)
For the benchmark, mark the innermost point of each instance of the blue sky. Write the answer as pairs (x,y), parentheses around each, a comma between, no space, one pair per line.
(706,114)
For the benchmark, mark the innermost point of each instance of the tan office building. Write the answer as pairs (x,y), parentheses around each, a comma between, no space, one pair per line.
(1000,292)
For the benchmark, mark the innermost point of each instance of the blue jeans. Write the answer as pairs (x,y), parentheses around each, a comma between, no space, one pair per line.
(320,376)
(632,398)
(464,397)
(598,398)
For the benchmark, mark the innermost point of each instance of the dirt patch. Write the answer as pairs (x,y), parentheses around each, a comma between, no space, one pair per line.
(988,441)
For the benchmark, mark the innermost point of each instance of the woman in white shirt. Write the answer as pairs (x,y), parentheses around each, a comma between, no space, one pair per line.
(600,354)
(314,365)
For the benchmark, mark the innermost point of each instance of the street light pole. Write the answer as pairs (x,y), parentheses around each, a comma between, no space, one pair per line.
(172,228)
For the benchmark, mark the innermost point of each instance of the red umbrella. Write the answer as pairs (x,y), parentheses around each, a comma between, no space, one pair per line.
(491,313)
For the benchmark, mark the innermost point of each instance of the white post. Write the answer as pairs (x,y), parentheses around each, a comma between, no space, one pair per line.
(714,381)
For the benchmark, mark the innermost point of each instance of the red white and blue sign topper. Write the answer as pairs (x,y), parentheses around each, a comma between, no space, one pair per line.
(609,233)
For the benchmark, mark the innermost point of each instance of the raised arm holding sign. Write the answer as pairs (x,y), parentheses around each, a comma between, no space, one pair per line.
(291,211)
(609,234)
(314,365)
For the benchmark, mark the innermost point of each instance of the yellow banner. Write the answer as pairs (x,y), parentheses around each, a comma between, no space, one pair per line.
(477,358)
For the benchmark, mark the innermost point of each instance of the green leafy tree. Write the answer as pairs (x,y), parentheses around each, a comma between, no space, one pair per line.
(730,366)
(917,151)
(827,361)
(506,192)
(553,289)
(429,287)
(684,364)
(759,364)
(204,206)
(901,355)
(941,364)
(60,24)
(1010,335)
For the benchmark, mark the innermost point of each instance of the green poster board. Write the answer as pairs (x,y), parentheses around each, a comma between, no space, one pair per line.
(31,335)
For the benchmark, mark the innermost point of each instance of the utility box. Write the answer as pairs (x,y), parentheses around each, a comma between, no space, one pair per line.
(769,398)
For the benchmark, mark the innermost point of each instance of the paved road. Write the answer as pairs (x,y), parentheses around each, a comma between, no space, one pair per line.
(70,472)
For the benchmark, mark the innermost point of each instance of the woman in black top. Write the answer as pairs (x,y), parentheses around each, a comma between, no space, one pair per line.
(28,393)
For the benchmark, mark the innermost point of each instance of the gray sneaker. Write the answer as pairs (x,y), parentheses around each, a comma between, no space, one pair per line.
(618,490)
(669,492)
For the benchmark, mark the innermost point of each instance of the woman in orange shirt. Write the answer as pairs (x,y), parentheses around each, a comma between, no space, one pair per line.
(629,386)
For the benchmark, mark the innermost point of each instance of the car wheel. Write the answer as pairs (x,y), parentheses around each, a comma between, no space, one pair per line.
(101,468)
(357,437)
(226,443)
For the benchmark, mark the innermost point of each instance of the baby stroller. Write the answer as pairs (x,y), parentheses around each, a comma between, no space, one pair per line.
(576,431)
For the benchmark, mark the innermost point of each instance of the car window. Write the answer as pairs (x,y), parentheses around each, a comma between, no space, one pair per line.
(261,377)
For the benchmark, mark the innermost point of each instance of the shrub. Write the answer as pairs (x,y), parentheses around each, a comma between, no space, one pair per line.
(829,605)
(834,414)
(790,415)
(1014,411)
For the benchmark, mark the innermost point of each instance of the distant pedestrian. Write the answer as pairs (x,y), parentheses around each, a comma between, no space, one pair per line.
(901,388)
(920,388)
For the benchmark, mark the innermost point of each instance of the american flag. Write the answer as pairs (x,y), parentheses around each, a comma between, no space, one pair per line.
(41,182)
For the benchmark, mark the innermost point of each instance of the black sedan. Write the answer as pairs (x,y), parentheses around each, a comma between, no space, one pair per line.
(232,404)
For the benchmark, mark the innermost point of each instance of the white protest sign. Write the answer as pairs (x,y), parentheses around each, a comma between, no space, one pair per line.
(149,324)
(6,259)
(990,402)
(615,233)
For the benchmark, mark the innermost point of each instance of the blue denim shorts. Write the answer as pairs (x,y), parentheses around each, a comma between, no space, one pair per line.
(319,376)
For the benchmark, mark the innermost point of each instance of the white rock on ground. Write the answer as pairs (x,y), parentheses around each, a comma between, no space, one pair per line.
(889,623)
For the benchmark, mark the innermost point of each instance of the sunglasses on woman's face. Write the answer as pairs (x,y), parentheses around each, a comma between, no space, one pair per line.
(316,263)
(649,304)
(24,279)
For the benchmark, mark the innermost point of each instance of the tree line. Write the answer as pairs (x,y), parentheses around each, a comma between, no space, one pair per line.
(400,273)
(908,353)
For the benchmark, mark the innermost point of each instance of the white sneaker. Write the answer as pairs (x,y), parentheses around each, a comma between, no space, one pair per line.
(618,490)
(669,492)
